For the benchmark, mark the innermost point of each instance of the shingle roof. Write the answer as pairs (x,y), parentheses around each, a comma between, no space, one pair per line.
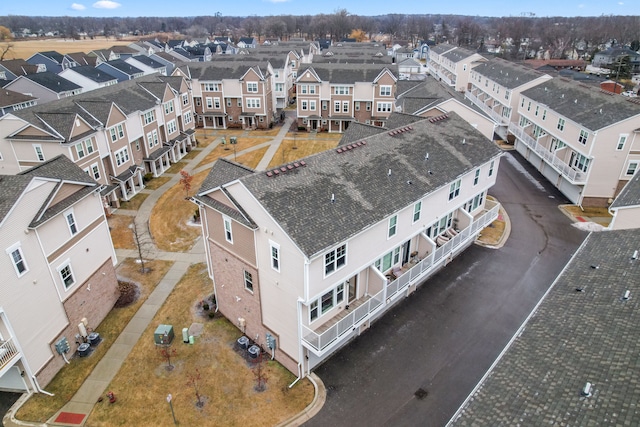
(53,82)
(348,73)
(149,62)
(94,74)
(53,55)
(125,67)
(300,199)
(574,337)
(11,187)
(10,97)
(584,105)
(219,70)
(507,74)
(630,194)
(442,48)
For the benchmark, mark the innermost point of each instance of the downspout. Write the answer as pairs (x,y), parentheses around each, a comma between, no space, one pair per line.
(40,390)
(300,356)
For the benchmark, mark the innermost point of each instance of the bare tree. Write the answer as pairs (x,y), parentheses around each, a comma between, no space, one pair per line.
(259,374)
(4,50)
(142,241)
(166,353)
(193,380)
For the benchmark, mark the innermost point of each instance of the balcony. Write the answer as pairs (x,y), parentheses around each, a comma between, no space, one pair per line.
(479,102)
(326,337)
(574,176)
(7,352)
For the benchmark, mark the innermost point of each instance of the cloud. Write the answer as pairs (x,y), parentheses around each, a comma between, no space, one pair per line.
(106,4)
(78,6)
(277,1)
(581,6)
(621,3)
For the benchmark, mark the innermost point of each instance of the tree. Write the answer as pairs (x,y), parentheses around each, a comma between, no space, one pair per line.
(260,377)
(358,35)
(167,353)
(185,181)
(193,380)
(142,242)
(5,34)
(4,50)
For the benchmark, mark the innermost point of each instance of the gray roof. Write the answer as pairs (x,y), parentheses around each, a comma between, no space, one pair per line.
(441,48)
(53,82)
(300,199)
(507,74)
(149,62)
(582,104)
(11,187)
(348,73)
(10,97)
(574,337)
(630,194)
(458,54)
(94,74)
(219,70)
(123,66)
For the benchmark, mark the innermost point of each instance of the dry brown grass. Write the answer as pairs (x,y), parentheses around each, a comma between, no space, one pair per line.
(244,143)
(286,153)
(134,203)
(66,383)
(23,49)
(121,234)
(252,158)
(176,167)
(491,234)
(226,384)
(588,212)
(169,217)
(156,183)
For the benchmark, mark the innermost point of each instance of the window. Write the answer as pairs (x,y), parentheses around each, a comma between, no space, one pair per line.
(336,106)
(227,230)
(312,89)
(584,135)
(17,258)
(152,138)
(324,105)
(228,102)
(171,127)
(389,259)
(122,156)
(345,106)
(416,211)
(357,106)
(368,106)
(304,105)
(66,275)
(71,222)
(476,177)
(491,167)
(340,293)
(529,106)
(335,259)
(313,310)
(304,89)
(149,117)
(341,90)
(506,112)
(275,257)
(312,105)
(39,152)
(89,144)
(185,99)
(579,161)
(537,110)
(239,102)
(95,171)
(216,103)
(621,142)
(197,101)
(253,102)
(326,302)
(632,168)
(560,125)
(544,114)
(209,102)
(137,144)
(279,87)
(211,87)
(507,94)
(454,190)
(252,87)
(116,132)
(80,150)
(385,90)
(248,281)
(188,118)
(383,107)
(393,226)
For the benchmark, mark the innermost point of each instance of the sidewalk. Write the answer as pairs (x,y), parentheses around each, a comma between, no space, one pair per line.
(77,410)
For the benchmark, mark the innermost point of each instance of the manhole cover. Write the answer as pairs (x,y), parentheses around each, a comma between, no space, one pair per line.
(420,393)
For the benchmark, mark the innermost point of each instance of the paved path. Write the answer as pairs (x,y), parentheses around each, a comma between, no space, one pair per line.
(95,386)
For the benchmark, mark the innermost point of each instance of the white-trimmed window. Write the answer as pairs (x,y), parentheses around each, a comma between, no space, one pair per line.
(621,141)
(632,168)
(341,90)
(312,89)
(582,138)
(325,105)
(385,90)
(171,127)
(80,150)
(211,87)
(66,275)
(580,161)
(304,106)
(560,125)
(39,152)
(336,106)
(476,177)
(188,118)
(388,260)
(454,189)
(149,117)
(152,138)
(71,222)
(95,171)
(356,106)
(209,101)
(279,87)
(197,101)
(345,106)
(312,105)
(185,99)
(393,226)
(335,259)
(275,256)
(228,234)
(122,156)
(216,103)
(368,106)
(17,259)
(252,87)
(253,102)
(89,144)
(116,132)
(417,209)
(491,167)
(304,89)
(383,107)
(248,281)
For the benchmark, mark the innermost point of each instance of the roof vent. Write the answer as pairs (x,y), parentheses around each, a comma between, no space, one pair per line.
(627,295)
(269,174)
(635,255)
(586,391)
(333,198)
(595,267)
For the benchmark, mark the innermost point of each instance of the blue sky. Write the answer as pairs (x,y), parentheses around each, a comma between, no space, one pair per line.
(307,7)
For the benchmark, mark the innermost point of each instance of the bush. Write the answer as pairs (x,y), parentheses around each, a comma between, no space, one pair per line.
(302,128)
(205,306)
(211,314)
(147,177)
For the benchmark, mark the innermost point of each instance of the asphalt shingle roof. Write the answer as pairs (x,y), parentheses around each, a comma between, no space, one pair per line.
(574,337)
(94,74)
(630,194)
(125,67)
(300,199)
(348,73)
(10,97)
(53,82)
(507,74)
(582,104)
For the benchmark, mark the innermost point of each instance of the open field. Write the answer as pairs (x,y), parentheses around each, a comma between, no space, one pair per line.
(23,49)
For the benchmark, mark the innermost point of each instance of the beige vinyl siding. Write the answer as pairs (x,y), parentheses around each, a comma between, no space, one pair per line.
(243,237)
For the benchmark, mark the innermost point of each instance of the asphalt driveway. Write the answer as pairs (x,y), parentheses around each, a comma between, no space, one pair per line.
(416,365)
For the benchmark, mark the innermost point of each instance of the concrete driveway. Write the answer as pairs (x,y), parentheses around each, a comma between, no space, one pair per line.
(416,365)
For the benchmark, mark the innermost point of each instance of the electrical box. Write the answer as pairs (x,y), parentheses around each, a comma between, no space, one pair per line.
(163,335)
(271,341)
(233,140)
(62,346)
(185,335)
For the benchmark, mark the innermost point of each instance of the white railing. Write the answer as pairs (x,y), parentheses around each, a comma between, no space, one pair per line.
(573,175)
(494,115)
(7,351)
(320,341)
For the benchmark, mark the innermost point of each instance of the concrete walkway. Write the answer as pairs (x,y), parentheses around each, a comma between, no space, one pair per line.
(95,386)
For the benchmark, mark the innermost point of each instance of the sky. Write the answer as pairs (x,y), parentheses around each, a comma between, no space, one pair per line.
(132,8)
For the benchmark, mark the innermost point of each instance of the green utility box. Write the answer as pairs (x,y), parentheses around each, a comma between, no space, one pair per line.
(163,335)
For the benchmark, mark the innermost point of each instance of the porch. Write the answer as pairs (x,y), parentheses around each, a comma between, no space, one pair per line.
(8,355)
(477,97)
(329,336)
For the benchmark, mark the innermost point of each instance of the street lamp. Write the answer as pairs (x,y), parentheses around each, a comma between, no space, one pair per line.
(169,398)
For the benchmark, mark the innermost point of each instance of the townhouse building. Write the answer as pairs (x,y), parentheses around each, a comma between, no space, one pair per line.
(305,256)
(452,64)
(116,134)
(230,94)
(48,61)
(625,209)
(120,69)
(58,267)
(495,87)
(88,77)
(330,96)
(583,140)
(10,69)
(13,101)
(45,86)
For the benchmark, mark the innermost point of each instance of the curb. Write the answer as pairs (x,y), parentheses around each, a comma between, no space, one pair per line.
(505,234)
(9,419)
(313,408)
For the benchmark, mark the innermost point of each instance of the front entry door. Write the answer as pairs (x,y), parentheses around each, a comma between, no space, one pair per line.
(406,249)
(352,289)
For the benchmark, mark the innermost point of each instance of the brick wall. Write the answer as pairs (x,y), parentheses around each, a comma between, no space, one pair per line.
(93,302)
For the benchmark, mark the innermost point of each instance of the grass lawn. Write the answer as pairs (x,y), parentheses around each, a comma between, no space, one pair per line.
(169,217)
(65,384)
(226,381)
(23,49)
(252,158)
(176,167)
(121,234)
(156,183)
(227,150)
(286,153)
(134,203)
(595,212)
(491,234)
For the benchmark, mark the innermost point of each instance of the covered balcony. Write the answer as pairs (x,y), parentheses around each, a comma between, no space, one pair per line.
(389,289)
(478,100)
